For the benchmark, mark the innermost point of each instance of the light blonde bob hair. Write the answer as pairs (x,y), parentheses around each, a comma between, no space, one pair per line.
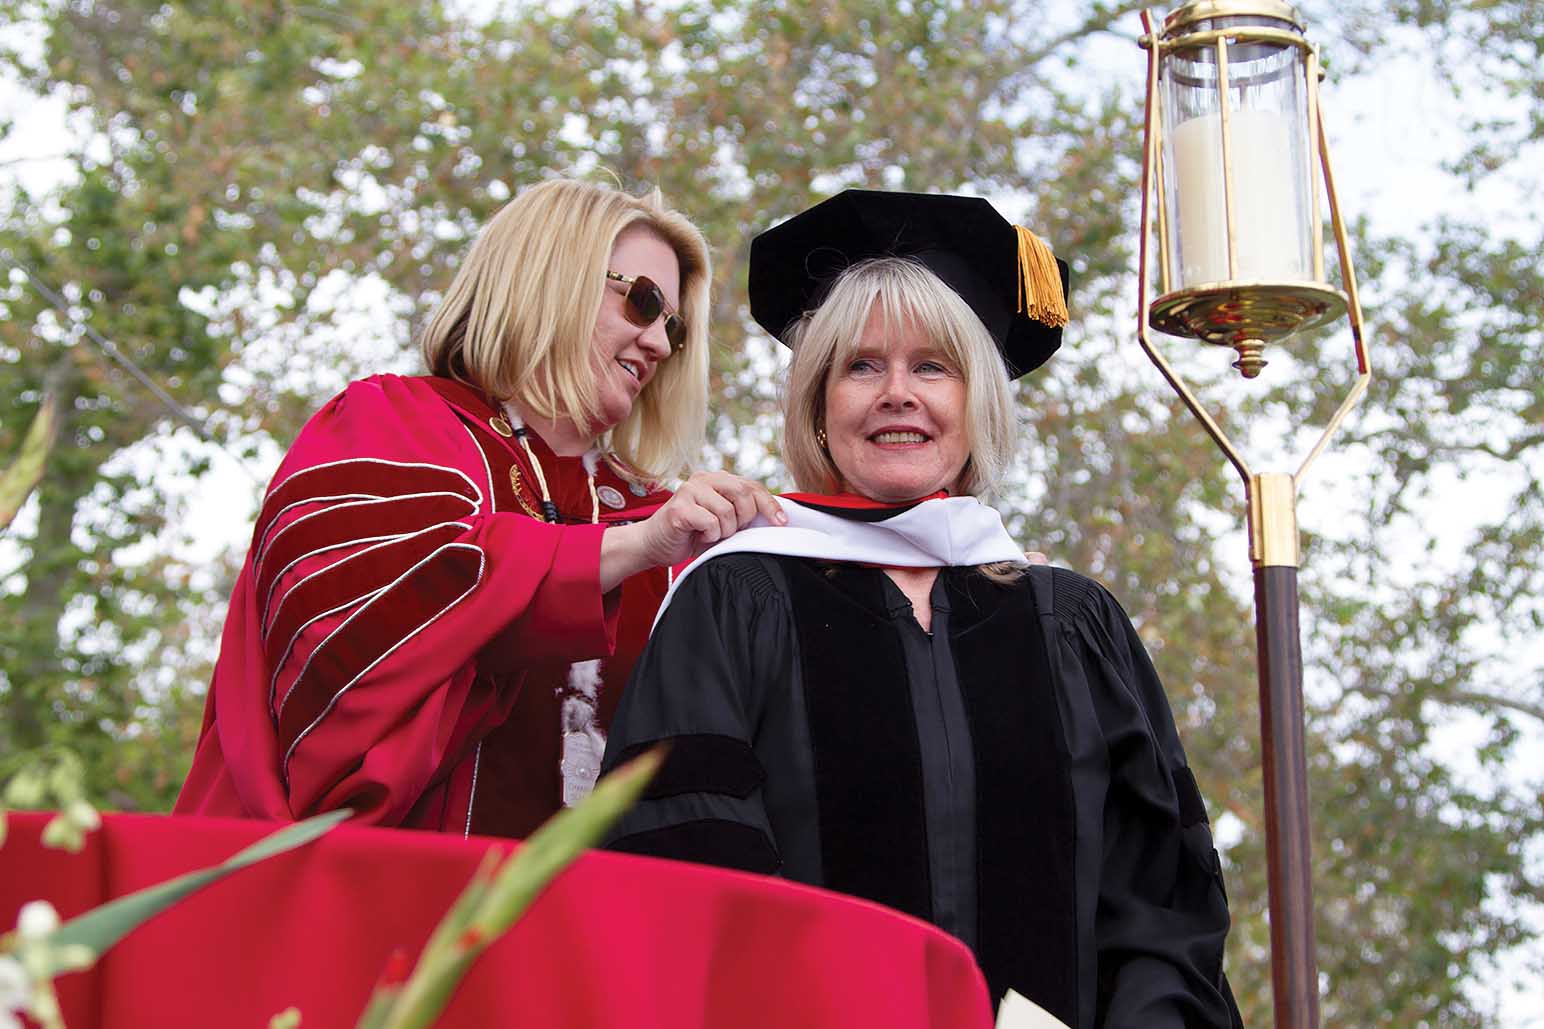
(903,290)
(518,320)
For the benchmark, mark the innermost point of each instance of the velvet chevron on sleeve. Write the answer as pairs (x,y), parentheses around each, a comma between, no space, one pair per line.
(699,688)
(396,608)
(1160,915)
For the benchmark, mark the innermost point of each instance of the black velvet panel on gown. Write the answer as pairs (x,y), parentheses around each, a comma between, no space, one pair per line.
(868,770)
(1025,826)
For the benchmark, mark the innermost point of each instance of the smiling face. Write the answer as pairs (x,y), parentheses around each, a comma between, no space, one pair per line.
(895,415)
(625,356)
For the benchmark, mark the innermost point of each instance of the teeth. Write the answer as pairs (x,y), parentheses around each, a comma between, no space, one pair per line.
(632,369)
(900,437)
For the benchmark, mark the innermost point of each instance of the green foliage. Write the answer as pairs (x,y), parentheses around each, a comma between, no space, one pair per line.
(19,479)
(1487,48)
(253,166)
(52,780)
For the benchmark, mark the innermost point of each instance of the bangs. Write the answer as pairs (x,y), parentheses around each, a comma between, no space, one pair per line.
(902,298)
(903,291)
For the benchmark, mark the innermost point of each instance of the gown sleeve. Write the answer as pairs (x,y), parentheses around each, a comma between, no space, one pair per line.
(1162,913)
(381,582)
(699,688)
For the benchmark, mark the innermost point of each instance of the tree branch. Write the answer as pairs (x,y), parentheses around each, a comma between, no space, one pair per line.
(1099,21)
(1482,698)
(1515,449)
(35,157)
(1462,698)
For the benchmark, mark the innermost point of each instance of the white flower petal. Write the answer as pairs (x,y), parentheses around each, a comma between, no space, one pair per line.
(72,957)
(15,989)
(36,920)
(84,815)
(62,834)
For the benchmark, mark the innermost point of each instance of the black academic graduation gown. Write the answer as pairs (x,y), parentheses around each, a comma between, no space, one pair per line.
(1014,777)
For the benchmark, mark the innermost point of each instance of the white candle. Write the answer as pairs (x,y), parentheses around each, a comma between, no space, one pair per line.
(1268,227)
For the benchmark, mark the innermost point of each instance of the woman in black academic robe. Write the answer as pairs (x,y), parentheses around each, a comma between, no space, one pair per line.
(883,698)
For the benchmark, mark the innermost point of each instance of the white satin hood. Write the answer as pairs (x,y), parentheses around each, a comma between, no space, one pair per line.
(946,532)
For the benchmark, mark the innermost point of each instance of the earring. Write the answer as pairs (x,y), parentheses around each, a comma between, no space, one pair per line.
(820,437)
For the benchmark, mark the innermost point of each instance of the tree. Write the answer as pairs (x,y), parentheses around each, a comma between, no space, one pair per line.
(250,168)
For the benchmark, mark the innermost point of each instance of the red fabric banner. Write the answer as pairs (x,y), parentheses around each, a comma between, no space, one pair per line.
(617,940)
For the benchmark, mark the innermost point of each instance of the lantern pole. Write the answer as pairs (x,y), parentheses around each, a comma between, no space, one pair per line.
(1243,316)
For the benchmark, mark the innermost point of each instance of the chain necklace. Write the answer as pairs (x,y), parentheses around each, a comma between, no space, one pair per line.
(511,424)
(579,697)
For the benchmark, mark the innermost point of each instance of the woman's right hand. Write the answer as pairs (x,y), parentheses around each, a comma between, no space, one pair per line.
(709,507)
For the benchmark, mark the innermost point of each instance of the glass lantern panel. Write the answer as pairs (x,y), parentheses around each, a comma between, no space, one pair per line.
(1267,130)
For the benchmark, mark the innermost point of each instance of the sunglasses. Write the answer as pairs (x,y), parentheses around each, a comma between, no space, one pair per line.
(644,303)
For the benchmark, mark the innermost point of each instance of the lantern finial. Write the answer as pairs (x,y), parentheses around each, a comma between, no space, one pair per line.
(1210,10)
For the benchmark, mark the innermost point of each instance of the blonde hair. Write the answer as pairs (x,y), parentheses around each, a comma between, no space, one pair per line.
(904,289)
(518,320)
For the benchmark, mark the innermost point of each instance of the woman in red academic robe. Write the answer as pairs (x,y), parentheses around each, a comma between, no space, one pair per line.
(451,575)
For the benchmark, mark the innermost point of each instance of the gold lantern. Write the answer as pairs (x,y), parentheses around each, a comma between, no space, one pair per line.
(1235,149)
(1235,87)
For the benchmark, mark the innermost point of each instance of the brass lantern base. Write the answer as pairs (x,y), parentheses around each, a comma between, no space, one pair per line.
(1245,316)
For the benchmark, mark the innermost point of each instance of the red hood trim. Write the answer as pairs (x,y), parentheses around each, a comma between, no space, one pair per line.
(854,502)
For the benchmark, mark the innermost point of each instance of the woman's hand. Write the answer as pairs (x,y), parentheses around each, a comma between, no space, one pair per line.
(709,507)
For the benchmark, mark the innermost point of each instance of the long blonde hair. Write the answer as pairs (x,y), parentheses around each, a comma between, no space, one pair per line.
(904,289)
(518,320)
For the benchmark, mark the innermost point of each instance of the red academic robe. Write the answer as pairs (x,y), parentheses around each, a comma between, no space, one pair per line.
(403,633)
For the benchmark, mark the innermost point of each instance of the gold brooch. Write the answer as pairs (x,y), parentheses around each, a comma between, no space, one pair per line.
(518,486)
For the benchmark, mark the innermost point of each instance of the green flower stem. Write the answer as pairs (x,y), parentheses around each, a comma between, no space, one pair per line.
(457,942)
(104,926)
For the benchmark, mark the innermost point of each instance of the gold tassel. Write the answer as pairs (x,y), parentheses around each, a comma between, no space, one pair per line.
(1040,285)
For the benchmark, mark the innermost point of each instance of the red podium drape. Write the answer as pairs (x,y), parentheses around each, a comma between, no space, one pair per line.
(616,941)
